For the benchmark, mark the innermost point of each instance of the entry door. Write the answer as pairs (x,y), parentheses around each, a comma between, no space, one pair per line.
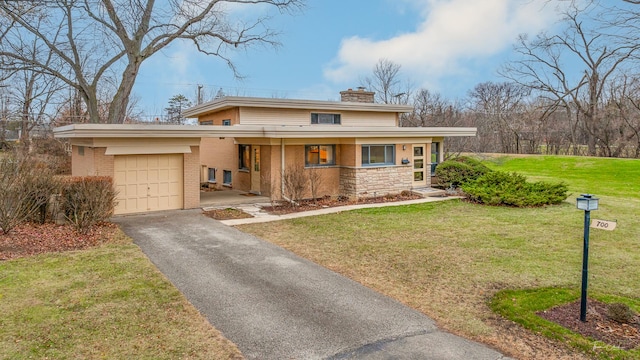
(255,170)
(419,166)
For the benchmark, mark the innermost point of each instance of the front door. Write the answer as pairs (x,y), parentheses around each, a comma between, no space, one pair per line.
(419,166)
(255,169)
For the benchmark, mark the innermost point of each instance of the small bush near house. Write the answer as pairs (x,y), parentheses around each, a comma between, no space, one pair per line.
(25,189)
(54,153)
(88,200)
(460,170)
(512,189)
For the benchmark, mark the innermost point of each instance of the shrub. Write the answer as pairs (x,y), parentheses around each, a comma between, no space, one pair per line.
(621,313)
(460,170)
(25,189)
(501,188)
(88,200)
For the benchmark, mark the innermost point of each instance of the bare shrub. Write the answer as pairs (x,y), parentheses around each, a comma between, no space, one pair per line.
(295,183)
(88,200)
(315,181)
(25,187)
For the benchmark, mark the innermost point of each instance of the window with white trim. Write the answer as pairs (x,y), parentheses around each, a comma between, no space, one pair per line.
(373,155)
(212,175)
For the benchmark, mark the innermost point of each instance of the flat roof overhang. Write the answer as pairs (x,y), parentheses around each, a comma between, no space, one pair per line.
(237,101)
(254,131)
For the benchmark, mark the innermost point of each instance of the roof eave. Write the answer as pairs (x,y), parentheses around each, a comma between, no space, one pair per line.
(229,102)
(255,131)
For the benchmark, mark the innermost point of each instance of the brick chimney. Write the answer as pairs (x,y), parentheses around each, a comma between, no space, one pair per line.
(358,95)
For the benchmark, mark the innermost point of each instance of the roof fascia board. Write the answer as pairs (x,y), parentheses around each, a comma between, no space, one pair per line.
(232,101)
(253,131)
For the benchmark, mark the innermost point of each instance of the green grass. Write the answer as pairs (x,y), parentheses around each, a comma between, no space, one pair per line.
(108,302)
(521,306)
(449,259)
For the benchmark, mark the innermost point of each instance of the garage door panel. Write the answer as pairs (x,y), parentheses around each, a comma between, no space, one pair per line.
(148,182)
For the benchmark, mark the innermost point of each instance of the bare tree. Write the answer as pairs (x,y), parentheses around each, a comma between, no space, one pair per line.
(571,69)
(102,44)
(499,108)
(430,109)
(387,84)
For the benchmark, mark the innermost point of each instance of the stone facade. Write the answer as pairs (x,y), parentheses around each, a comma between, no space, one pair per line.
(375,181)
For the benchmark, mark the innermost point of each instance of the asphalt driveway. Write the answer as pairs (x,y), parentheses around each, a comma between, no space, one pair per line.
(275,305)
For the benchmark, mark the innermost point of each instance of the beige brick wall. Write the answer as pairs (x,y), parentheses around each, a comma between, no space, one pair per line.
(93,163)
(191,170)
(104,164)
(82,165)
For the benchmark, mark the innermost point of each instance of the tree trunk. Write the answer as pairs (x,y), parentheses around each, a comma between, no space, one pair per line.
(118,106)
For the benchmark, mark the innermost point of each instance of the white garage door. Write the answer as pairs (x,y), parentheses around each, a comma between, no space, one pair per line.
(148,182)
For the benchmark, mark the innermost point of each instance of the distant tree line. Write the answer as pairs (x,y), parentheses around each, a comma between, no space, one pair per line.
(575,92)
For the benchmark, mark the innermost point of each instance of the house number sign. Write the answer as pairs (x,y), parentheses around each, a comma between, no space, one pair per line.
(603,224)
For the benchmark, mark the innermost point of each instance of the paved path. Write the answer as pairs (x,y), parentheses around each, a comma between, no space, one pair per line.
(275,305)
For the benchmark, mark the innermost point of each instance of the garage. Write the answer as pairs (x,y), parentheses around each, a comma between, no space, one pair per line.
(148,182)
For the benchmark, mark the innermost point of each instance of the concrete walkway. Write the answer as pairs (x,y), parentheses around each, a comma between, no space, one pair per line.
(275,305)
(260,216)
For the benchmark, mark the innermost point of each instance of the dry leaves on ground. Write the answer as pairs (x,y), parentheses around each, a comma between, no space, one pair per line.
(31,239)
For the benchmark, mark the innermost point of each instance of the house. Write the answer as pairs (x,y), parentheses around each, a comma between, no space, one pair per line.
(353,147)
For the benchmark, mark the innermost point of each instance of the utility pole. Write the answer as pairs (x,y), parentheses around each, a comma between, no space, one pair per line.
(3,114)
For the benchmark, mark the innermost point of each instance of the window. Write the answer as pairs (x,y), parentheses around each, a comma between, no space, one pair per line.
(435,156)
(333,119)
(244,157)
(226,177)
(378,155)
(212,175)
(226,122)
(81,150)
(319,155)
(206,122)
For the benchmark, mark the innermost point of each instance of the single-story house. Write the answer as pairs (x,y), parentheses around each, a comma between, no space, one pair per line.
(353,147)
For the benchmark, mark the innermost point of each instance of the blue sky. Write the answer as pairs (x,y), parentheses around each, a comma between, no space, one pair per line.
(447,46)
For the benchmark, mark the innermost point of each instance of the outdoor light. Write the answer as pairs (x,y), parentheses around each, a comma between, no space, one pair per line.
(587,203)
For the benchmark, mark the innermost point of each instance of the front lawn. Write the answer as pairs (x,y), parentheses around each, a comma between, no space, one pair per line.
(449,259)
(107,302)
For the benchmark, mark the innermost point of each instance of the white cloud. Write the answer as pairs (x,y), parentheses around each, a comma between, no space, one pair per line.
(451,33)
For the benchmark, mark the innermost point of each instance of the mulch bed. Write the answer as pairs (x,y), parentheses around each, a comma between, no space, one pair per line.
(326,202)
(598,326)
(226,214)
(32,239)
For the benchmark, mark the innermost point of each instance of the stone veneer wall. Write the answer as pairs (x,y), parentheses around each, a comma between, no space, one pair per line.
(375,181)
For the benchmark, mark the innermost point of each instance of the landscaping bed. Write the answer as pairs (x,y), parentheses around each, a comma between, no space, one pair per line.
(31,239)
(598,326)
(328,201)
